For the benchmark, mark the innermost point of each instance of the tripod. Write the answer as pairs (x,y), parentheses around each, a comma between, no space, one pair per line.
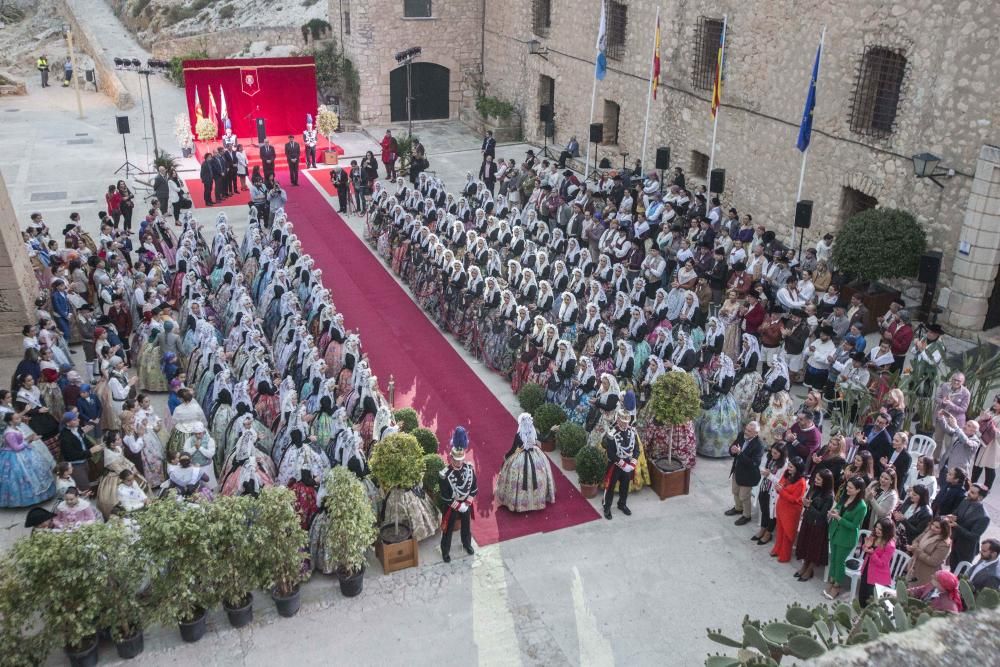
(546,151)
(127,165)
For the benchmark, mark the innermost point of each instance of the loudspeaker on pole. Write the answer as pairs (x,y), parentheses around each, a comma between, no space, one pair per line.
(803,213)
(261,131)
(930,267)
(122,122)
(596,133)
(717,181)
(663,157)
(550,129)
(545,113)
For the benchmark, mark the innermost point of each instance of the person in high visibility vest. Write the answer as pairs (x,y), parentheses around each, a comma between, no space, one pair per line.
(43,67)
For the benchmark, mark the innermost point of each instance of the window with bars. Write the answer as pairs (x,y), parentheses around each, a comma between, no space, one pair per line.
(417,9)
(617,18)
(878,91)
(541,17)
(611,114)
(706,52)
(347,22)
(699,165)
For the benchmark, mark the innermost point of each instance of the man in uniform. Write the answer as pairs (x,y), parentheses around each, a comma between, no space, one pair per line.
(309,139)
(229,139)
(292,152)
(458,489)
(43,68)
(622,445)
(928,356)
(267,156)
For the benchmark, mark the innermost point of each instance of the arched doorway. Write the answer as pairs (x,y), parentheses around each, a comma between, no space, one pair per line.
(430,84)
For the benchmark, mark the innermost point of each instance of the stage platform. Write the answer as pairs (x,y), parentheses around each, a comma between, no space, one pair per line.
(253,152)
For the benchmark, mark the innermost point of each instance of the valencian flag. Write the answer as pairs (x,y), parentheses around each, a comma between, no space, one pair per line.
(656,58)
(602,45)
(198,112)
(806,126)
(717,87)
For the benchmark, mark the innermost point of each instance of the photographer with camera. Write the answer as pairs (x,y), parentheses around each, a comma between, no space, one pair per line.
(276,198)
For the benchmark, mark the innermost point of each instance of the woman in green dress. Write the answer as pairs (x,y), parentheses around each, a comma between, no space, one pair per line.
(845,525)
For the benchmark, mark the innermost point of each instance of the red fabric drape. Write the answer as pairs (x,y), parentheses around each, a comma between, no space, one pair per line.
(279,90)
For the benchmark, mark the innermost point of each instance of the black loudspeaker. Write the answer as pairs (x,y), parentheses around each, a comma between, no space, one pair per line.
(261,131)
(122,122)
(663,157)
(550,129)
(930,267)
(545,113)
(803,213)
(596,133)
(717,181)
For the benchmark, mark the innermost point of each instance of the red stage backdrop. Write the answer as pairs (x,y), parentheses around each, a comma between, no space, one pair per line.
(279,90)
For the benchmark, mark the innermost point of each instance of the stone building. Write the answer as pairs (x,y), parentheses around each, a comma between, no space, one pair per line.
(18,287)
(897,79)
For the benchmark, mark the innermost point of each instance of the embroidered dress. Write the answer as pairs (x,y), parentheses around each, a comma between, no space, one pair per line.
(525,482)
(25,471)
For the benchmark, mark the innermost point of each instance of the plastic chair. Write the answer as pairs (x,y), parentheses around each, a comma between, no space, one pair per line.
(962,568)
(900,561)
(921,445)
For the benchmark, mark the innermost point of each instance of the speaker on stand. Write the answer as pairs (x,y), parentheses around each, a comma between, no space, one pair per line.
(547,116)
(928,272)
(123,128)
(717,181)
(662,160)
(803,220)
(596,137)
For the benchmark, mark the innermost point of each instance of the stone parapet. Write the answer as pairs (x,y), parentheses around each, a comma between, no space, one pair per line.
(225,43)
(18,287)
(108,80)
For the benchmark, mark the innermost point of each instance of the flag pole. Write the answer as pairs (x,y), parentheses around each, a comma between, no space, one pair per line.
(593,101)
(805,153)
(649,94)
(715,125)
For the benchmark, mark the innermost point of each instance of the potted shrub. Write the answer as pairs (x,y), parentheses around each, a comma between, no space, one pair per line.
(547,417)
(591,465)
(857,253)
(123,606)
(531,397)
(280,542)
(569,439)
(327,123)
(398,464)
(428,441)
(352,528)
(406,419)
(231,531)
(174,536)
(668,432)
(433,465)
(20,642)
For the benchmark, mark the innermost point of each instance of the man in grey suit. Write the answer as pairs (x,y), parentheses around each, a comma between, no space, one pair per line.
(747,453)
(986,572)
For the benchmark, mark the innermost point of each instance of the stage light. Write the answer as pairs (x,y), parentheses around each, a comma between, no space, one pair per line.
(118,62)
(136,63)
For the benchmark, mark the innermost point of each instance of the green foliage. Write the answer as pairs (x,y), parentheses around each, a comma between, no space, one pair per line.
(139,6)
(123,610)
(861,246)
(227,11)
(547,416)
(675,399)
(428,441)
(570,438)
(591,464)
(165,159)
(494,106)
(21,643)
(531,397)
(406,419)
(352,522)
(398,462)
(981,367)
(177,63)
(178,13)
(278,540)
(433,464)
(231,532)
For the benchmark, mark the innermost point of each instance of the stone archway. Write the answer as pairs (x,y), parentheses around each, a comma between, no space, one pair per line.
(430,84)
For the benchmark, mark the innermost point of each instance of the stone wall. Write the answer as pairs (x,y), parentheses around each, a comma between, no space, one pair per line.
(18,287)
(231,42)
(452,38)
(107,77)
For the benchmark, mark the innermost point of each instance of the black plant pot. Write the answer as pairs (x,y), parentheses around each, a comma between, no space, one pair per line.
(85,657)
(193,630)
(288,606)
(351,584)
(241,615)
(130,647)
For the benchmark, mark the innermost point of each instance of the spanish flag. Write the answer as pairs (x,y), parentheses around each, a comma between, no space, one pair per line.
(719,62)
(656,58)
(213,110)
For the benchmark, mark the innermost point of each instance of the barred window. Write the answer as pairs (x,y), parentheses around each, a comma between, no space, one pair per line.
(699,164)
(878,91)
(541,19)
(415,9)
(706,52)
(617,18)
(347,22)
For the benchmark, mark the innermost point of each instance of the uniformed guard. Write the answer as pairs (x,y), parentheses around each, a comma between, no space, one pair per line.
(622,445)
(458,489)
(309,139)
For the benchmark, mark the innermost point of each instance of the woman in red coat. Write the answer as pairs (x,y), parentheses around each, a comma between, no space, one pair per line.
(788,511)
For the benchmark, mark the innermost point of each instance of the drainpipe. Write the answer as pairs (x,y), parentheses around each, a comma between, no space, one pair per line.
(482,41)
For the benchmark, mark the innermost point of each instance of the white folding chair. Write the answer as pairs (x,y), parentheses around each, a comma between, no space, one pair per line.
(858,555)
(919,445)
(962,568)
(900,561)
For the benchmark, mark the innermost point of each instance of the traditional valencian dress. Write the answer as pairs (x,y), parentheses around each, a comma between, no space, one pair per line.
(525,481)
(25,471)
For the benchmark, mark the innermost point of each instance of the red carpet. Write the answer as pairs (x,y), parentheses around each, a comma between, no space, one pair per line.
(321,174)
(430,376)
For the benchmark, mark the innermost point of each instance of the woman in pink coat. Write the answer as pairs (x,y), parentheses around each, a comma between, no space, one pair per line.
(878,550)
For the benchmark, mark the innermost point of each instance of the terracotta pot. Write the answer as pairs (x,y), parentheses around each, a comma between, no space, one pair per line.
(667,484)
(548,445)
(568,462)
(590,490)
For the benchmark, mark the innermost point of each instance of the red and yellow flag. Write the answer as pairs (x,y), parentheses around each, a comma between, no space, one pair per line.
(717,86)
(656,59)
(198,113)
(213,110)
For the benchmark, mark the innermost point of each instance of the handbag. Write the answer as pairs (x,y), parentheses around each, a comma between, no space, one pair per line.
(760,400)
(709,400)
(184,203)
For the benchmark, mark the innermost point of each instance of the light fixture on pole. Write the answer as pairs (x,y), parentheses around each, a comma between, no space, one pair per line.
(927,165)
(535,48)
(406,58)
(152,65)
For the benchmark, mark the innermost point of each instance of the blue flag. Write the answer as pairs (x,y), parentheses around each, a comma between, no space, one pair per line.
(806,127)
(602,46)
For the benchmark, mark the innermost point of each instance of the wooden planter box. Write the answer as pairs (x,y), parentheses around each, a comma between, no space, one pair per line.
(330,157)
(397,556)
(876,303)
(548,445)
(568,462)
(670,484)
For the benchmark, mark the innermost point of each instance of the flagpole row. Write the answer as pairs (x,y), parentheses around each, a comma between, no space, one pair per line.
(600,70)
(649,94)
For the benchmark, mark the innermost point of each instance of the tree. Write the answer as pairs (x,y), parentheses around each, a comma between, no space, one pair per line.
(880,244)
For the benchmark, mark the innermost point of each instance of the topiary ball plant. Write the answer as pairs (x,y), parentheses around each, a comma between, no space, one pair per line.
(859,249)
(570,438)
(433,464)
(398,464)
(591,464)
(531,397)
(547,416)
(406,419)
(676,399)
(428,441)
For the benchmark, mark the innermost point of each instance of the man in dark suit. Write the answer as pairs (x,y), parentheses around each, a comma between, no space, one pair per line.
(232,176)
(900,459)
(76,449)
(747,452)
(161,189)
(986,572)
(217,171)
(292,152)
(206,179)
(267,157)
(489,145)
(968,524)
(341,182)
(488,173)
(226,162)
(875,439)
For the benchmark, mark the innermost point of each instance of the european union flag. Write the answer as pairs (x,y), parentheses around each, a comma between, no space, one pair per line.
(806,127)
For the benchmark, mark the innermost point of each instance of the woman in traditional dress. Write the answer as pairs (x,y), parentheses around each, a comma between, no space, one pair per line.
(73,512)
(188,412)
(560,383)
(683,358)
(603,405)
(718,425)
(654,369)
(730,319)
(529,351)
(151,376)
(748,378)
(48,389)
(541,367)
(29,403)
(779,413)
(525,481)
(604,349)
(115,463)
(25,467)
